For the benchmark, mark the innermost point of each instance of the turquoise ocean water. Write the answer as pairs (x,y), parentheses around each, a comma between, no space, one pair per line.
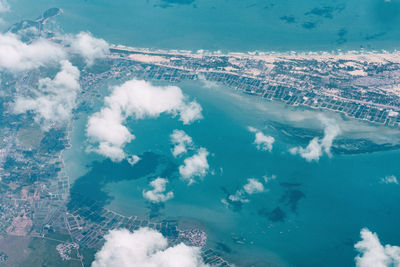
(323,205)
(229,25)
(318,208)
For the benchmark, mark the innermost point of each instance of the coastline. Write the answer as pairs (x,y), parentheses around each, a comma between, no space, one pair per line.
(362,54)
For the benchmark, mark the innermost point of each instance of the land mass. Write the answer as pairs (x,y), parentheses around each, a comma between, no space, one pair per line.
(363,85)
(35,192)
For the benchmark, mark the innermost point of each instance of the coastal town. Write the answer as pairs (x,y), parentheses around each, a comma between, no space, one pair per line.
(364,86)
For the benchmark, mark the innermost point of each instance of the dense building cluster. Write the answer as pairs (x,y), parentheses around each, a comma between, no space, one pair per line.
(363,87)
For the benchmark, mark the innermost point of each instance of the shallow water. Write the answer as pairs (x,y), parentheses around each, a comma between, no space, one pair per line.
(309,213)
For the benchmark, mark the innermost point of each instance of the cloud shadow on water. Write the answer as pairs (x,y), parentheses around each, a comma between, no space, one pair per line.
(309,25)
(171,3)
(87,192)
(276,215)
(288,19)
(288,203)
(223,247)
(291,196)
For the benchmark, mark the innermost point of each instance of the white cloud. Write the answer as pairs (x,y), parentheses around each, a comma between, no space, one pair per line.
(181,142)
(140,100)
(317,146)
(239,196)
(313,151)
(391,179)
(54,99)
(190,112)
(106,128)
(145,248)
(89,47)
(253,186)
(262,141)
(158,194)
(196,165)
(373,254)
(16,55)
(4,6)
(133,159)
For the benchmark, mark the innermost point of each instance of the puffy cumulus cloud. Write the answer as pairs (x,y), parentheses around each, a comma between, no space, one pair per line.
(195,166)
(158,194)
(239,196)
(106,127)
(373,254)
(89,47)
(391,179)
(253,186)
(54,99)
(4,6)
(16,55)
(190,112)
(133,159)
(145,248)
(140,100)
(317,146)
(262,141)
(181,142)
(313,151)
